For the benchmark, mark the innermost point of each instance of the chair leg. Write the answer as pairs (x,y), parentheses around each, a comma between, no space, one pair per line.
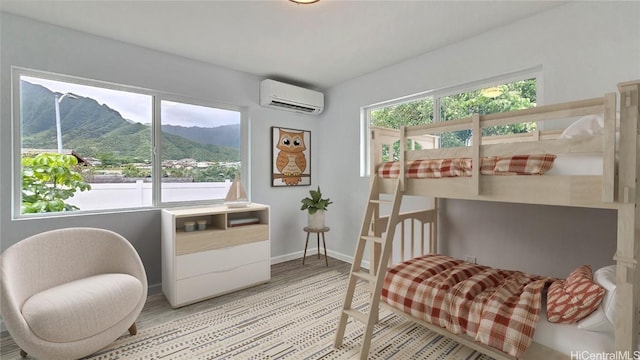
(133,330)
(23,353)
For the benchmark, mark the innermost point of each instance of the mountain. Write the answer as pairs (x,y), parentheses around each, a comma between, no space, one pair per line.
(226,135)
(95,130)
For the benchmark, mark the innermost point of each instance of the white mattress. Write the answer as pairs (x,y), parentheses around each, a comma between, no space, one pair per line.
(567,338)
(577,164)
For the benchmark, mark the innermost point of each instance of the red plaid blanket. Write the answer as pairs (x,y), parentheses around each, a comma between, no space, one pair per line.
(494,165)
(499,308)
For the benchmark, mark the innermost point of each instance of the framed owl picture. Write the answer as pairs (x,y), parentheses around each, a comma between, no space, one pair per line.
(291,157)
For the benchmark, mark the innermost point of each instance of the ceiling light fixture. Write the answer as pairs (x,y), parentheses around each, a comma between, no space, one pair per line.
(304,1)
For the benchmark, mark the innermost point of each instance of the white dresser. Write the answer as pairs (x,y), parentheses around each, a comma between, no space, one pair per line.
(231,253)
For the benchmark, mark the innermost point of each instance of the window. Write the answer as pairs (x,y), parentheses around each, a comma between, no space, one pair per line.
(88,146)
(510,96)
(512,93)
(200,151)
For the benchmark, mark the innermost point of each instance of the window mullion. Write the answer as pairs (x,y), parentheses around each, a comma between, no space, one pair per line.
(436,109)
(156,159)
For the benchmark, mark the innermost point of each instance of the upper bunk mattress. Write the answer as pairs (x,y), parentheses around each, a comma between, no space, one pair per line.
(495,165)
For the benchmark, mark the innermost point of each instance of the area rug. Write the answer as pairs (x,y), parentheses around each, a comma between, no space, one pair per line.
(292,321)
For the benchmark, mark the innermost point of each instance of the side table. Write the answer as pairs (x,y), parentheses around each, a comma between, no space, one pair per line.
(318,232)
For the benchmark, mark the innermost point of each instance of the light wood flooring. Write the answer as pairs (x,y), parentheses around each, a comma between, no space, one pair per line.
(157,310)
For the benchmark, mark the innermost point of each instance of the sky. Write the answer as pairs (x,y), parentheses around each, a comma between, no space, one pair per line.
(138,107)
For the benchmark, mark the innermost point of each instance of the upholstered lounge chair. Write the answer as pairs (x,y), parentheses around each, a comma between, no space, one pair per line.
(68,293)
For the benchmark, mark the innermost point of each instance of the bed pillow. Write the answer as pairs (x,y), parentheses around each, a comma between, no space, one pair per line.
(603,318)
(575,298)
(584,127)
(524,164)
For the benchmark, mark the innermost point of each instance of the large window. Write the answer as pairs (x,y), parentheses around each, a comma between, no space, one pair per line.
(88,146)
(479,98)
(200,151)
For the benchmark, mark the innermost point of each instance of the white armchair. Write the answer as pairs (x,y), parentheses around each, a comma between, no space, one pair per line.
(68,293)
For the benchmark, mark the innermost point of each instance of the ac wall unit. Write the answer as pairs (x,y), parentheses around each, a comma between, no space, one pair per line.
(278,95)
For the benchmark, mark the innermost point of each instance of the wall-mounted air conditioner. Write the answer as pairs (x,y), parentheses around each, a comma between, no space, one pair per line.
(278,95)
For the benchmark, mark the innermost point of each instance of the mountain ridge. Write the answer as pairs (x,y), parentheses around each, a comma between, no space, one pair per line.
(99,131)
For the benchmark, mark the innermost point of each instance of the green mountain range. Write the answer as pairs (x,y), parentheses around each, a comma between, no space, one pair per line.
(98,131)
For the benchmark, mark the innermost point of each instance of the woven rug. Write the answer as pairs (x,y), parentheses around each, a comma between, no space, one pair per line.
(292,321)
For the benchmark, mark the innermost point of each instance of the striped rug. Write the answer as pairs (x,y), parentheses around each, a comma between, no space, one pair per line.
(292,321)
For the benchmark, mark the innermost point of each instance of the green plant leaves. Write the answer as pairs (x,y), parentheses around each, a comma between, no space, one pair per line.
(315,202)
(47,180)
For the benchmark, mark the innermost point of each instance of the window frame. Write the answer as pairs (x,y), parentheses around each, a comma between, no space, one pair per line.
(365,111)
(156,139)
(156,177)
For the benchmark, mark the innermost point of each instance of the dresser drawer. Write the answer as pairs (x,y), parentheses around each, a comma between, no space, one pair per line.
(203,240)
(200,287)
(221,260)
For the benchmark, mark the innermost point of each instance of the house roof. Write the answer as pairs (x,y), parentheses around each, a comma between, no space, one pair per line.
(81,160)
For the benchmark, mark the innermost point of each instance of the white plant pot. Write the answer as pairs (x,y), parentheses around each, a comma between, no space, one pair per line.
(316,221)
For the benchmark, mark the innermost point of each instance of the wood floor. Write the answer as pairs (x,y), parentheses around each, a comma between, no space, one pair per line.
(157,310)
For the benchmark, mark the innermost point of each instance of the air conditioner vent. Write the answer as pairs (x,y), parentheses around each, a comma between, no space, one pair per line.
(293,106)
(278,95)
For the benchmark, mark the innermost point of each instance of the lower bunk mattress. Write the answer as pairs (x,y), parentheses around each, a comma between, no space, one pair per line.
(498,308)
(503,309)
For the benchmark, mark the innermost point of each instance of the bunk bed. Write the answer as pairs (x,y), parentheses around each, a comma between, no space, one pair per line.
(522,168)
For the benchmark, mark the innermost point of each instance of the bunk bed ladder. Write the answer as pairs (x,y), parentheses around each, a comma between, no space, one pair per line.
(372,233)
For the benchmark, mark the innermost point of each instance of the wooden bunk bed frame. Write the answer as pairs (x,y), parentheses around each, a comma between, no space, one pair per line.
(614,189)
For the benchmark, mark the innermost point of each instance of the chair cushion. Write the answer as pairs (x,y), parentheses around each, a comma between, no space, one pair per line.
(82,308)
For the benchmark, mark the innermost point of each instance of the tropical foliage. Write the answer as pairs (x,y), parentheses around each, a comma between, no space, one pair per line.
(513,96)
(48,179)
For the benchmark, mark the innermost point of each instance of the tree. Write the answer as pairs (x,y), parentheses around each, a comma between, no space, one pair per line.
(508,97)
(407,114)
(48,179)
(513,96)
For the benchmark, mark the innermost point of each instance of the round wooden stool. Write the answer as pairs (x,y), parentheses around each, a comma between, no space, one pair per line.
(309,230)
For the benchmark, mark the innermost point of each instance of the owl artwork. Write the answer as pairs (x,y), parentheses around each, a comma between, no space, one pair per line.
(291,161)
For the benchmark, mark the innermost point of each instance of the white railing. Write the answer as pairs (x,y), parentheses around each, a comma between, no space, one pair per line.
(104,196)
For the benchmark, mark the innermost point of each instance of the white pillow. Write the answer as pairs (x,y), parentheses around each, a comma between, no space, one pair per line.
(584,127)
(603,318)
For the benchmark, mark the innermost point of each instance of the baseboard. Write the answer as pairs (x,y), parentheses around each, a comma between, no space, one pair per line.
(154,289)
(287,257)
(331,253)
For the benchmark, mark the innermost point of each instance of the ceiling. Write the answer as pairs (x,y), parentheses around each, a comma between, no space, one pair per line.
(318,45)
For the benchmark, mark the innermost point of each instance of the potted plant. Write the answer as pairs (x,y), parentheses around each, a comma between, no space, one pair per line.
(316,206)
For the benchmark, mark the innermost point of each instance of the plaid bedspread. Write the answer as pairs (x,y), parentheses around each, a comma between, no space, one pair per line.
(494,165)
(499,308)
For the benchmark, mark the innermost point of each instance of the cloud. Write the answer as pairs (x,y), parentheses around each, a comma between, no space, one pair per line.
(182,114)
(138,107)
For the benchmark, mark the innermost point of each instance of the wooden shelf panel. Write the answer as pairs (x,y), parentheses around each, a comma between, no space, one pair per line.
(203,240)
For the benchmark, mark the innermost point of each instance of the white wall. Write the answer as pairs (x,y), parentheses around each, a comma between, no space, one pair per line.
(30,44)
(584,48)
(574,54)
